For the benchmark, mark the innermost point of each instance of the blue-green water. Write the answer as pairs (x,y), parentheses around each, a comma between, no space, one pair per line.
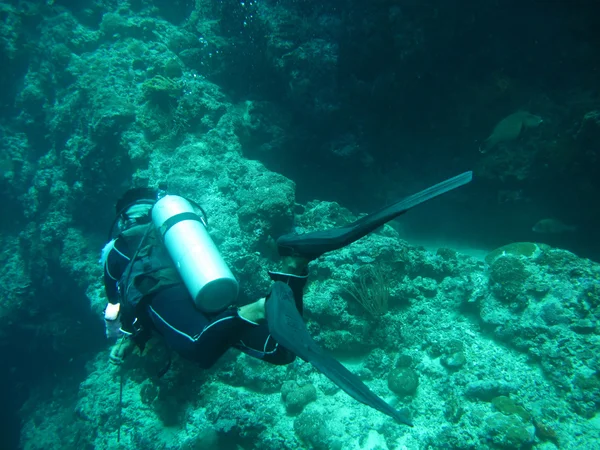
(300,115)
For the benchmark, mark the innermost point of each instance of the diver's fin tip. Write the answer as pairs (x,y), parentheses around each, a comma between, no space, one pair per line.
(465,176)
(404,420)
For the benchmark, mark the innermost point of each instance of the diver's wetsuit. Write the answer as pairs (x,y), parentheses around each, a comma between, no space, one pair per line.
(192,334)
(204,339)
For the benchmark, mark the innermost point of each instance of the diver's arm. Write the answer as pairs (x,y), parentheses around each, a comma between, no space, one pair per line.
(115,263)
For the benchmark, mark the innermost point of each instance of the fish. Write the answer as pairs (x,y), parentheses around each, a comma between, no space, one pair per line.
(510,128)
(553,226)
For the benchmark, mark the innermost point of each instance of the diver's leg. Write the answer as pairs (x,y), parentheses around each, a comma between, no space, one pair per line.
(312,245)
(294,273)
(191,333)
(258,343)
(253,312)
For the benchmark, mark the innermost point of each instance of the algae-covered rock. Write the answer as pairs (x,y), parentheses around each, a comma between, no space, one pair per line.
(591,293)
(448,254)
(486,390)
(253,374)
(403,381)
(404,361)
(586,393)
(296,397)
(454,361)
(509,431)
(508,275)
(426,286)
(584,326)
(558,260)
(161,91)
(544,431)
(508,406)
(316,429)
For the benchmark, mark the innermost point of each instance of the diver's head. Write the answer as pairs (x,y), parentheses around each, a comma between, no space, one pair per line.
(134,208)
(137,214)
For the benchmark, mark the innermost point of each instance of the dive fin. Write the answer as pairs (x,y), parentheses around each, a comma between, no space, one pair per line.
(289,330)
(312,245)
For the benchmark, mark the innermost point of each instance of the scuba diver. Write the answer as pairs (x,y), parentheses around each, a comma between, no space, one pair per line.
(163,273)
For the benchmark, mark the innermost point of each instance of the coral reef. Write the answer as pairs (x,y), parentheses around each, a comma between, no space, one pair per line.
(228,102)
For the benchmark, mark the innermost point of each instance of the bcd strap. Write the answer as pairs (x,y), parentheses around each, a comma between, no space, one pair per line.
(174,220)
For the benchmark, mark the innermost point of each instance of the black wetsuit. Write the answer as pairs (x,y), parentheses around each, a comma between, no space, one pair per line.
(204,339)
(193,334)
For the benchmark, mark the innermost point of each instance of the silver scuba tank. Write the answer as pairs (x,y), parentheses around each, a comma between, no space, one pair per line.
(202,268)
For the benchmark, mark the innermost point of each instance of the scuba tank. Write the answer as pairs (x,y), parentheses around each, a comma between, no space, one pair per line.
(196,257)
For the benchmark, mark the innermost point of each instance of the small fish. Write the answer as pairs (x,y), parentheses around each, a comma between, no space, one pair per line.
(510,128)
(553,226)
